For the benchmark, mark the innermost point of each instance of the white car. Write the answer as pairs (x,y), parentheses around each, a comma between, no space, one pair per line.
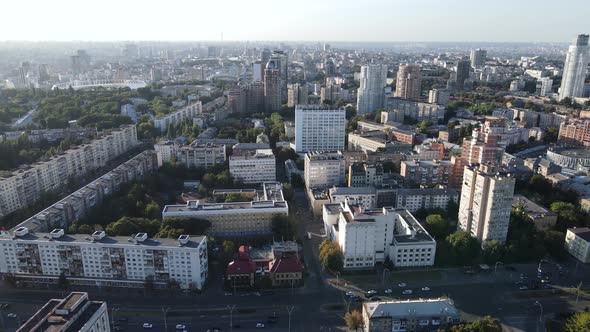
(349,294)
(402,284)
(147,325)
(425,289)
(11,315)
(259,325)
(372,292)
(388,291)
(180,327)
(407,292)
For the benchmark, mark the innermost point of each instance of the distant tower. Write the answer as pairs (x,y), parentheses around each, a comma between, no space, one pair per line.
(282,62)
(272,86)
(463,67)
(574,70)
(478,58)
(408,83)
(371,93)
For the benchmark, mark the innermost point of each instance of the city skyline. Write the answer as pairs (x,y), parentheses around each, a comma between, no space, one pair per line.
(377,21)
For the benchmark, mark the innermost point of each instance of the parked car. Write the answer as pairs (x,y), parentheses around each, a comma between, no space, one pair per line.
(523,287)
(349,294)
(371,292)
(11,315)
(180,326)
(407,292)
(388,291)
(259,325)
(402,284)
(148,325)
(425,289)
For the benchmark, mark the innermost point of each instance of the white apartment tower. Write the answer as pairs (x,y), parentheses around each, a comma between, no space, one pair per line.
(485,205)
(319,128)
(574,69)
(371,93)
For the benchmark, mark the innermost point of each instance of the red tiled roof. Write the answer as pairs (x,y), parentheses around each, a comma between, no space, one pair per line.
(240,267)
(286,265)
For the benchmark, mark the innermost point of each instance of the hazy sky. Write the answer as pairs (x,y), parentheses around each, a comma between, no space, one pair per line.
(316,20)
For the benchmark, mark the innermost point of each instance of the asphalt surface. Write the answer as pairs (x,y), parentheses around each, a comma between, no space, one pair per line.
(490,293)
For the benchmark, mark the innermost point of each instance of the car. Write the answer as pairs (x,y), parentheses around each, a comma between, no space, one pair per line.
(118,328)
(180,327)
(523,276)
(402,284)
(470,272)
(148,325)
(372,292)
(215,329)
(123,319)
(425,289)
(407,292)
(259,325)
(523,287)
(545,281)
(349,294)
(388,291)
(11,315)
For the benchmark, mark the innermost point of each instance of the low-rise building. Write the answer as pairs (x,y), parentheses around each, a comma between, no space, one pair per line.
(543,218)
(424,198)
(324,169)
(75,312)
(317,199)
(286,272)
(97,259)
(241,271)
(426,172)
(410,315)
(236,219)
(363,196)
(253,166)
(362,175)
(201,155)
(577,243)
(367,237)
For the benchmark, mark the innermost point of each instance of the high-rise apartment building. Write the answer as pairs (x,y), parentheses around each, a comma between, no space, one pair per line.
(409,82)
(258,71)
(282,61)
(371,93)
(544,86)
(486,203)
(175,118)
(478,58)
(297,94)
(574,69)
(319,128)
(272,86)
(237,99)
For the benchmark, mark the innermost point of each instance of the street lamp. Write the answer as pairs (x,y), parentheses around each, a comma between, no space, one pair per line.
(290,310)
(540,306)
(383,277)
(113,316)
(231,316)
(165,311)
(337,278)
(496,266)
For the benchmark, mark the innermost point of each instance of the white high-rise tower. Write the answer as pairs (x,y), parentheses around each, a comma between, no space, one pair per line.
(574,70)
(371,93)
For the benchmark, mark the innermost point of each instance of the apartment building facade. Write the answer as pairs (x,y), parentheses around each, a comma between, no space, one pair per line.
(253,166)
(98,259)
(324,169)
(177,117)
(319,128)
(24,187)
(201,155)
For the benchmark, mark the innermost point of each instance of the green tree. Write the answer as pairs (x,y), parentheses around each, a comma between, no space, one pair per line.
(331,256)
(423,127)
(354,320)
(436,226)
(464,248)
(85,229)
(128,226)
(554,242)
(63,282)
(234,197)
(493,251)
(578,322)
(283,227)
(486,324)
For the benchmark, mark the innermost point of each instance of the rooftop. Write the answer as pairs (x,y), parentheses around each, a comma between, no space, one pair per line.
(582,232)
(419,307)
(194,241)
(195,206)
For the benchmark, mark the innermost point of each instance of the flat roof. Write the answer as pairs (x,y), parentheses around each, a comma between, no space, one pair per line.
(421,307)
(194,206)
(194,241)
(582,232)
